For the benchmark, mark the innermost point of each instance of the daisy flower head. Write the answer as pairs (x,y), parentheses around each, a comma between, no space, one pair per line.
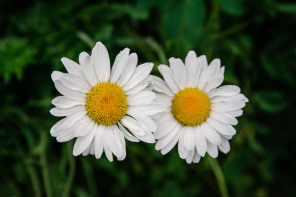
(102,106)
(199,115)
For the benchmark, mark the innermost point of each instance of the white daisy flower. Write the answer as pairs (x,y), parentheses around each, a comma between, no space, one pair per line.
(104,106)
(199,115)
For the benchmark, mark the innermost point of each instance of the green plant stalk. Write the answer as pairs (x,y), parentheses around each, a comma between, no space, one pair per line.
(72,165)
(219,176)
(34,177)
(44,166)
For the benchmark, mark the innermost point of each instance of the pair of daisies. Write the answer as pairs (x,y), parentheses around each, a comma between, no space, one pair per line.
(102,106)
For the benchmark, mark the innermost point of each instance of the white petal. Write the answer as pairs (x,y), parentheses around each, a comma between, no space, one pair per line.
(224,146)
(168,77)
(65,135)
(55,75)
(119,64)
(82,143)
(216,63)
(67,111)
(222,69)
(149,110)
(213,83)
(145,122)
(189,158)
(224,118)
(171,144)
(128,70)
(55,128)
(226,90)
(71,66)
(107,150)
(210,133)
(200,141)
(164,99)
(196,157)
(224,129)
(141,86)
(98,142)
(68,92)
(84,127)
(227,106)
(73,118)
(101,62)
(141,98)
(114,141)
(87,68)
(236,113)
(142,71)
(133,126)
(205,76)
(239,97)
(197,69)
(64,102)
(127,135)
(181,149)
(189,138)
(148,138)
(165,125)
(161,143)
(178,71)
(212,149)
(193,70)
(160,86)
(123,148)
(75,83)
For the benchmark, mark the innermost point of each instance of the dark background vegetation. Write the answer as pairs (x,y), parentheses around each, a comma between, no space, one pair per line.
(254,39)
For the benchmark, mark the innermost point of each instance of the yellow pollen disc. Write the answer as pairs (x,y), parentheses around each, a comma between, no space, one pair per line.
(191,106)
(106,103)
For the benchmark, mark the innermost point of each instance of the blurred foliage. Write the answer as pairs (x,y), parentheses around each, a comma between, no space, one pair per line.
(254,39)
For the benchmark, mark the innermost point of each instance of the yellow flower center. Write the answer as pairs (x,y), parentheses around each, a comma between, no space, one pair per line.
(106,103)
(191,106)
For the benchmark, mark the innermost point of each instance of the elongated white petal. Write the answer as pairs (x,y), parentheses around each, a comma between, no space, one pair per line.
(56,111)
(132,125)
(159,85)
(210,133)
(224,129)
(64,102)
(73,94)
(212,149)
(178,71)
(200,142)
(71,66)
(226,90)
(128,70)
(101,62)
(161,143)
(224,118)
(168,77)
(83,142)
(88,69)
(119,64)
(127,134)
(98,142)
(141,98)
(189,138)
(142,71)
(224,146)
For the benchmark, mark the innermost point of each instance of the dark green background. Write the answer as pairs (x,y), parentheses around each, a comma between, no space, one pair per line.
(254,39)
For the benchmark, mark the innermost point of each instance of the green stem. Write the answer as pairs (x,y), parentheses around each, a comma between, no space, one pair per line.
(219,176)
(72,165)
(44,166)
(34,178)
